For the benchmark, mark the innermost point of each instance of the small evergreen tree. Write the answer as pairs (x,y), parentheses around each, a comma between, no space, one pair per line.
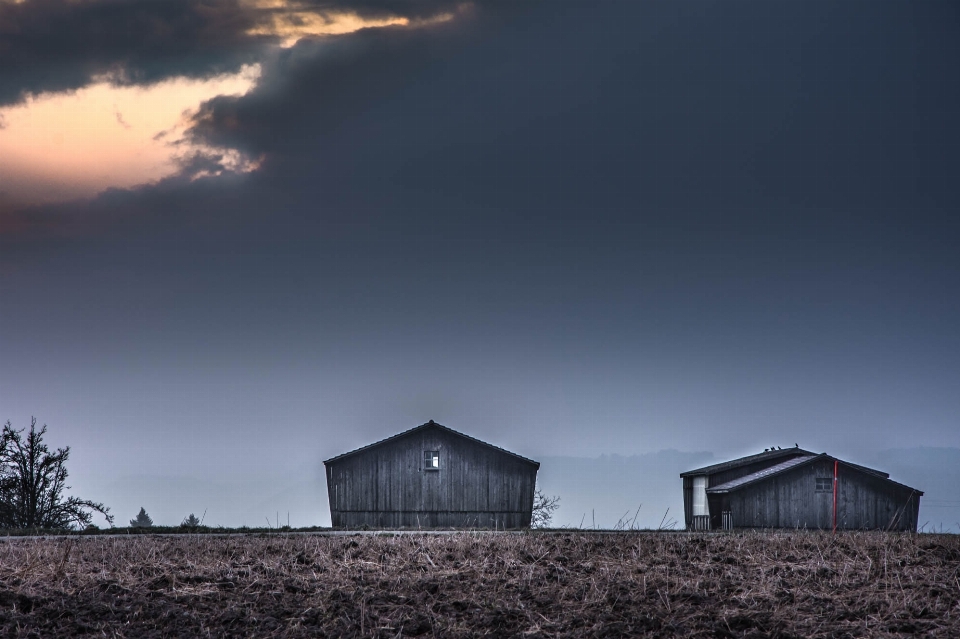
(142,521)
(191,521)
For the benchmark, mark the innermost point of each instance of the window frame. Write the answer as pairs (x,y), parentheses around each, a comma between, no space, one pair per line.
(824,484)
(429,457)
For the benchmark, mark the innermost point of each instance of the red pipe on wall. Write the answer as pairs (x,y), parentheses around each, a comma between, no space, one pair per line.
(835,464)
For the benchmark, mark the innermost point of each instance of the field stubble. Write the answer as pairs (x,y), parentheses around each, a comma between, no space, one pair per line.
(787,584)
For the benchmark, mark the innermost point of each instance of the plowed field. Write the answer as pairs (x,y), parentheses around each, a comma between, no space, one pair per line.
(575,584)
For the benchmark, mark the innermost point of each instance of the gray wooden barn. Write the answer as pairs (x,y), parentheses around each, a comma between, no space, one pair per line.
(794,488)
(431,477)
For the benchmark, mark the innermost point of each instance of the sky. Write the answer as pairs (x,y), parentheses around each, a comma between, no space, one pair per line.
(239,237)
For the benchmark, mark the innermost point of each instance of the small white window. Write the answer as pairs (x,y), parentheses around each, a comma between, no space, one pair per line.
(431,460)
(824,484)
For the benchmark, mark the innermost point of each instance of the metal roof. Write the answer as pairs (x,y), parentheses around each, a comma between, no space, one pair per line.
(744,461)
(790,464)
(430,424)
(760,474)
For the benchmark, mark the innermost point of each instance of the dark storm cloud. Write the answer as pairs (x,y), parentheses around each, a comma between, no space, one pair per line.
(692,117)
(750,107)
(57,45)
(413,9)
(52,45)
(389,61)
(316,87)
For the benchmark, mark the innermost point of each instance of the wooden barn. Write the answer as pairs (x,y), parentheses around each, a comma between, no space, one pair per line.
(431,477)
(794,488)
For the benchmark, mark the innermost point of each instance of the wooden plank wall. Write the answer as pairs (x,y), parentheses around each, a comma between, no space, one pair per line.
(426,520)
(864,502)
(688,502)
(387,486)
(721,478)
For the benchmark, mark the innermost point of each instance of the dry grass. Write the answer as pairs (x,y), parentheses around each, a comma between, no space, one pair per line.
(535,585)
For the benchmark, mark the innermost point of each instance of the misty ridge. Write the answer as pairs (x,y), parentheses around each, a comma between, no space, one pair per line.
(608,492)
(640,491)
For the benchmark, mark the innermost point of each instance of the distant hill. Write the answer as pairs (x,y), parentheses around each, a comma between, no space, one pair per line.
(228,501)
(593,491)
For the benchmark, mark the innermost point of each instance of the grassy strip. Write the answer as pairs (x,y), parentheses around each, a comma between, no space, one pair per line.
(154,530)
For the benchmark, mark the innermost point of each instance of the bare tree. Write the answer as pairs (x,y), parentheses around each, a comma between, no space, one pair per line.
(32,483)
(142,520)
(543,507)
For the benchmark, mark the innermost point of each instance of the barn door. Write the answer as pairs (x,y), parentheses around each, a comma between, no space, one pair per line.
(714,511)
(823,499)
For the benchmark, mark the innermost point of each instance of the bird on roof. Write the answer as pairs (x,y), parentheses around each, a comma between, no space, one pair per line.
(796,445)
(778,448)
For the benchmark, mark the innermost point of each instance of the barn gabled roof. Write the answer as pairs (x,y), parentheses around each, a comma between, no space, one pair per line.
(422,427)
(782,467)
(750,459)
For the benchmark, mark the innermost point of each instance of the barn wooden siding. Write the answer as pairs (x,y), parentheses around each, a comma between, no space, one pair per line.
(386,486)
(687,501)
(728,471)
(778,489)
(790,500)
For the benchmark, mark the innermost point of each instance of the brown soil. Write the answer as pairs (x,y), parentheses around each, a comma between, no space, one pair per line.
(534,585)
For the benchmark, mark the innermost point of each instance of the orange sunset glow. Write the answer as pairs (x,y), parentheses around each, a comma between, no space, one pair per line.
(61,146)
(292,21)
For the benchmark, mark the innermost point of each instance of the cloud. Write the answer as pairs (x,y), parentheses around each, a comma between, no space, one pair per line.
(467,119)
(59,45)
(54,45)
(494,112)
(62,146)
(360,68)
(316,87)
(553,112)
(75,71)
(121,121)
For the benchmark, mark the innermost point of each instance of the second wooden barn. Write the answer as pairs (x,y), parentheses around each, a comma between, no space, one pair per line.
(431,476)
(794,488)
